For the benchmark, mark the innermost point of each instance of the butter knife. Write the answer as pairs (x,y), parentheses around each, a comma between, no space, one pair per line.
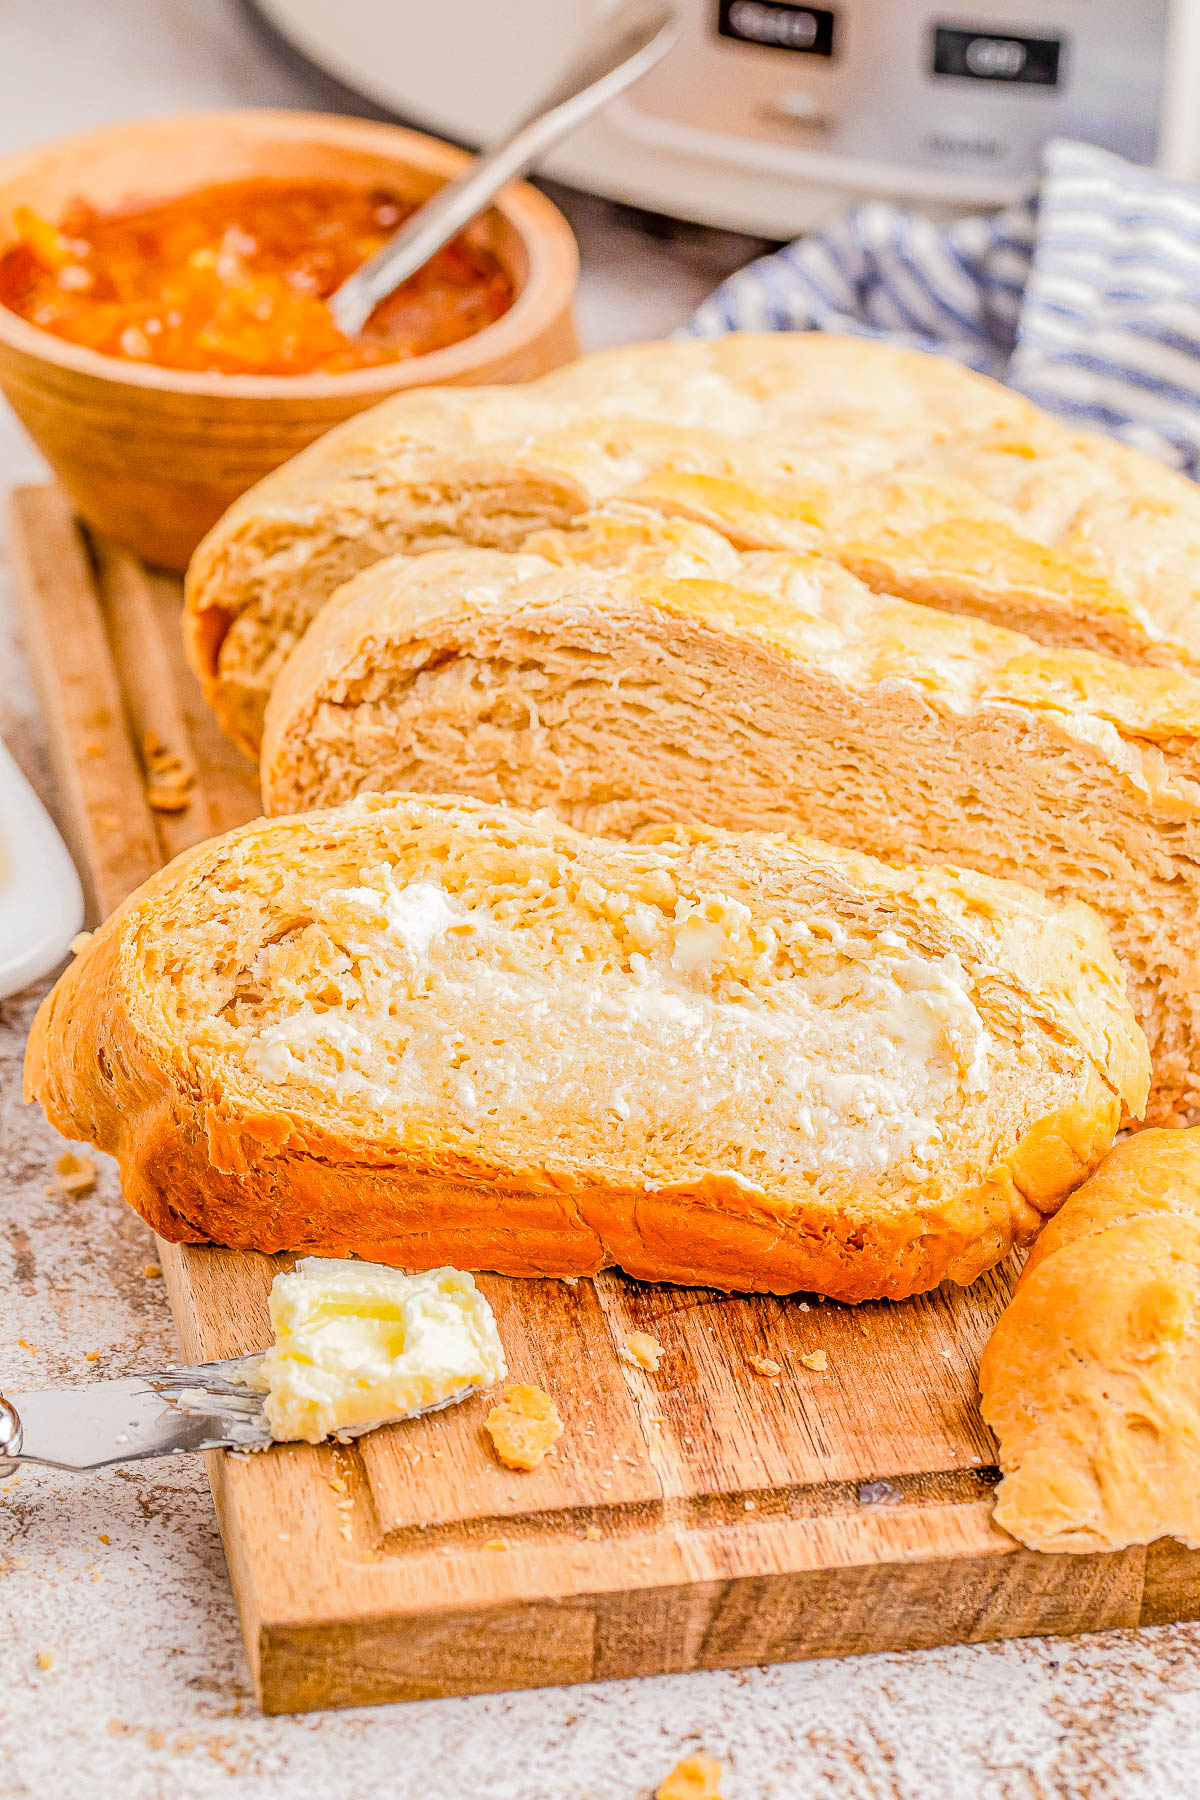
(205,1407)
(202,1408)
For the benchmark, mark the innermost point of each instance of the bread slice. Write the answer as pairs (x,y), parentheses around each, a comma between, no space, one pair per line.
(781,695)
(1017,506)
(431,1031)
(1091,1379)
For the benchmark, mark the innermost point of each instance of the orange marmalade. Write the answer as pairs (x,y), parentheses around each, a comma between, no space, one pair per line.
(233,280)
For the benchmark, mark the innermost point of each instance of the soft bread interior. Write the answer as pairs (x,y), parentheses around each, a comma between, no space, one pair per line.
(627,1007)
(625,701)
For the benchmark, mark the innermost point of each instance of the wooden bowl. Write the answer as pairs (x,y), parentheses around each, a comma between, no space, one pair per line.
(154,456)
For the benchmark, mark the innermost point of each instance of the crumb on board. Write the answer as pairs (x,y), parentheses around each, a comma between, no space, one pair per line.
(695,1778)
(80,942)
(593,1534)
(524,1426)
(765,1365)
(816,1360)
(498,1543)
(73,1174)
(152,1271)
(641,1351)
(168,777)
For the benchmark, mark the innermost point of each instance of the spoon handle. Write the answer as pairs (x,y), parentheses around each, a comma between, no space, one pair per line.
(630,40)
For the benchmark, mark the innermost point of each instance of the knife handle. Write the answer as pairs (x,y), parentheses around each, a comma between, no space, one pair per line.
(10,1437)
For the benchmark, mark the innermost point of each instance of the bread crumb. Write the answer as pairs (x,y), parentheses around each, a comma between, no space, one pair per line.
(73,1174)
(593,1534)
(169,778)
(496,1544)
(45,1659)
(695,1778)
(91,1356)
(642,1351)
(152,1271)
(104,1537)
(750,1505)
(524,1426)
(815,1360)
(765,1365)
(80,942)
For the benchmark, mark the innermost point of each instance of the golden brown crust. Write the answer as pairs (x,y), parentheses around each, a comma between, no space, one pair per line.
(934,543)
(203,1160)
(1005,512)
(1091,1379)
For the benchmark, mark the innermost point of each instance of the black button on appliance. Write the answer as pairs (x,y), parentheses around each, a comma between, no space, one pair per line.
(997,56)
(778,25)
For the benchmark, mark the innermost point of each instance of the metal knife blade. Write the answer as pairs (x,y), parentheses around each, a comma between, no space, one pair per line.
(127,1420)
(206,1407)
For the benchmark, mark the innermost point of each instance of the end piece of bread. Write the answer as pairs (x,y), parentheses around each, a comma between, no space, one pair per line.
(1097,543)
(1091,1379)
(432,1031)
(781,695)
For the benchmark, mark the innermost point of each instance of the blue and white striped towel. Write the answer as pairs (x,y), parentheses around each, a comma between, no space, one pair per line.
(1085,297)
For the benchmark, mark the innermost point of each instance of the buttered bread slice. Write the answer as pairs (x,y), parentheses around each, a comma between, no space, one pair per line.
(1004,510)
(432,1031)
(768,692)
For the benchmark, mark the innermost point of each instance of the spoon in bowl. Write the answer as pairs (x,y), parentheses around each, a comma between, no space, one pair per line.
(630,40)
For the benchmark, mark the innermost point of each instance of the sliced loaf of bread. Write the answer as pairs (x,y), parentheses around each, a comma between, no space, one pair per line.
(431,1031)
(770,692)
(1090,543)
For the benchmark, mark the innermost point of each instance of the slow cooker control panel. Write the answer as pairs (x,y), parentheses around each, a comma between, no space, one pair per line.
(908,84)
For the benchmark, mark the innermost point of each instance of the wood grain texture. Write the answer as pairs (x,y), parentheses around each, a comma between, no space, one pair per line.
(705,1516)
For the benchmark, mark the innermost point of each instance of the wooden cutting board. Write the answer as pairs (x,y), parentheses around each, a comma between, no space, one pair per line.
(702,1517)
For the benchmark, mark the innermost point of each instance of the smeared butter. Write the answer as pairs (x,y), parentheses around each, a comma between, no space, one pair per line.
(358,1344)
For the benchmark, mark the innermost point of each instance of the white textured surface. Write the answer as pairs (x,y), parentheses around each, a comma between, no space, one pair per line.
(146,1695)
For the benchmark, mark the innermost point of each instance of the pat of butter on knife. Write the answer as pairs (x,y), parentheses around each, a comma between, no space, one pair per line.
(361,1344)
